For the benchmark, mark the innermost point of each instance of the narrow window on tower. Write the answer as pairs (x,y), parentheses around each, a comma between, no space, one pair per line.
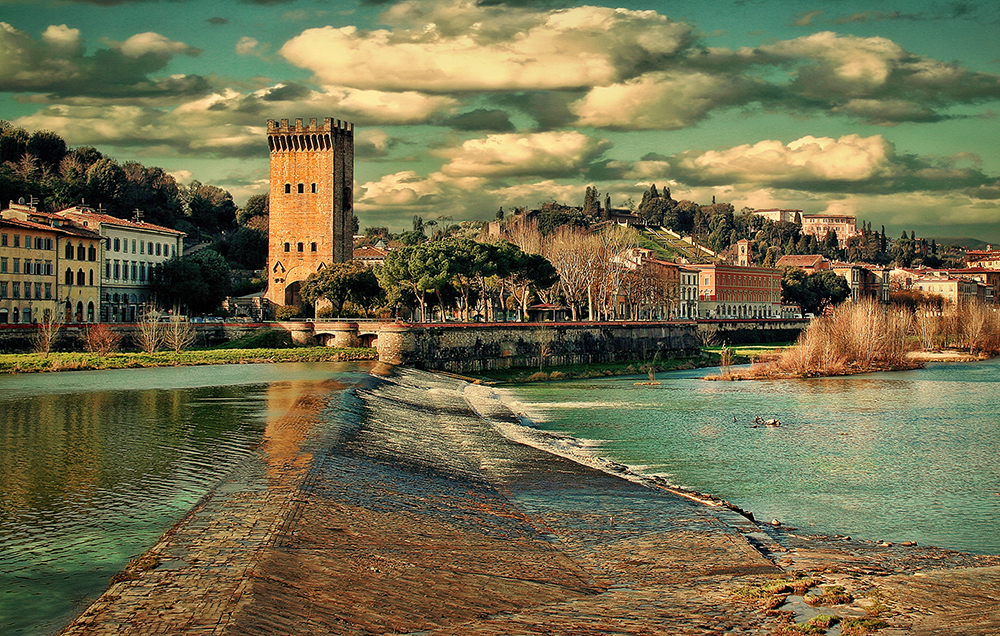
(288,247)
(314,188)
(302,188)
(288,188)
(312,247)
(301,247)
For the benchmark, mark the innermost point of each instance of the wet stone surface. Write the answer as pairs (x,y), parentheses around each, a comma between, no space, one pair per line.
(399,510)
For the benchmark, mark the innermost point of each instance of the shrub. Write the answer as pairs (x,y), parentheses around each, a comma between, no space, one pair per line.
(287,312)
(100,339)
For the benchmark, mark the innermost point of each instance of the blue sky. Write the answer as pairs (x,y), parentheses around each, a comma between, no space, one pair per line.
(886,110)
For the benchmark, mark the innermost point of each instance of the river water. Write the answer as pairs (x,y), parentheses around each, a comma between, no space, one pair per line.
(96,465)
(908,456)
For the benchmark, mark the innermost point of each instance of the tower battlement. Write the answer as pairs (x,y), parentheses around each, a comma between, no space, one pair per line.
(282,137)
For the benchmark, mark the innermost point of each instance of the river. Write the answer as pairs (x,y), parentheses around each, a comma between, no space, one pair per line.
(96,465)
(907,456)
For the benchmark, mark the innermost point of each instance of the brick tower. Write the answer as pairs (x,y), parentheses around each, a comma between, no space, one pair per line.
(311,202)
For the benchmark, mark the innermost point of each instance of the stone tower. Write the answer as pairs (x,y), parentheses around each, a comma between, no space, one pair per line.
(311,202)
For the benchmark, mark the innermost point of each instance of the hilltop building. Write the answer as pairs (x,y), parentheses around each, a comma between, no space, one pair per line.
(311,202)
(776,215)
(819,225)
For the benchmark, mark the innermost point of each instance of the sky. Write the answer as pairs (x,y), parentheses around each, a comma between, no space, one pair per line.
(885,110)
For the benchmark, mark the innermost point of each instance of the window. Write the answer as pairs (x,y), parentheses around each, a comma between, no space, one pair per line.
(158,247)
(49,271)
(48,291)
(81,252)
(107,243)
(17,240)
(173,250)
(69,250)
(118,269)
(133,246)
(91,277)
(27,290)
(288,188)
(301,247)
(288,247)
(17,266)
(68,278)
(3,289)
(107,269)
(92,253)
(38,290)
(39,243)
(3,265)
(314,188)
(27,266)
(15,288)
(27,242)
(150,248)
(3,240)
(142,247)
(302,188)
(118,245)
(49,244)
(312,247)
(135,271)
(81,278)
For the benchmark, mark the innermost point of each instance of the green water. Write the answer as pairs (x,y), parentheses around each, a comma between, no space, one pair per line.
(95,466)
(890,456)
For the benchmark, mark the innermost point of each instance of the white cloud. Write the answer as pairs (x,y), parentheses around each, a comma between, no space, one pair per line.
(558,153)
(850,158)
(459,46)
(153,43)
(62,37)
(247,46)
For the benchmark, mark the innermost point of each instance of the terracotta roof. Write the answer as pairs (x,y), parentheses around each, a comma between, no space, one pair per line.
(114,220)
(62,229)
(369,251)
(800,260)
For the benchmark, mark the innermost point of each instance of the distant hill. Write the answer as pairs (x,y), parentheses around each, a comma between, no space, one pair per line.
(967,243)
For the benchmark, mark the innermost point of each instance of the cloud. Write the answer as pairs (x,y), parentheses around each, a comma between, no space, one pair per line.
(57,65)
(247,46)
(540,154)
(459,46)
(662,100)
(217,21)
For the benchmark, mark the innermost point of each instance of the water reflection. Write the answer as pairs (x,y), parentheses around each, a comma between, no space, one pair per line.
(91,473)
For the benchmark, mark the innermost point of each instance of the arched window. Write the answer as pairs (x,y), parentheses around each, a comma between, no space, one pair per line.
(302,188)
(90,278)
(314,188)
(90,311)
(312,247)
(288,247)
(81,278)
(301,247)
(79,311)
(17,315)
(69,276)
(288,188)
(69,250)
(81,252)
(92,253)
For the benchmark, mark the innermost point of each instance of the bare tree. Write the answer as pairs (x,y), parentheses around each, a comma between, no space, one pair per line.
(46,334)
(616,243)
(574,255)
(179,335)
(150,333)
(100,339)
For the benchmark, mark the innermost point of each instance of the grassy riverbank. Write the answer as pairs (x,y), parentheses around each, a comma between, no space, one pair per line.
(73,361)
(709,357)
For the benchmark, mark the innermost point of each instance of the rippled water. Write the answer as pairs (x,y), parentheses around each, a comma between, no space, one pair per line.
(891,456)
(95,466)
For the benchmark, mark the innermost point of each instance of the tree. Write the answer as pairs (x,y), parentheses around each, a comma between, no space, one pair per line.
(179,335)
(248,248)
(199,282)
(813,293)
(208,207)
(340,283)
(257,205)
(148,336)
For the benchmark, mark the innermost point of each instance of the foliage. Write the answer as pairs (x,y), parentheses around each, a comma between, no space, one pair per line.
(259,205)
(339,283)
(263,338)
(288,312)
(813,293)
(199,282)
(245,249)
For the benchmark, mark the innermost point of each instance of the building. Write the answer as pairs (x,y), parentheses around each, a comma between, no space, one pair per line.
(986,259)
(865,281)
(687,307)
(987,277)
(809,263)
(132,249)
(48,266)
(311,202)
(371,255)
(776,215)
(731,291)
(819,225)
(954,290)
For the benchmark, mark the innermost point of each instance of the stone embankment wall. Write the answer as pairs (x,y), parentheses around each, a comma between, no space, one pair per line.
(734,332)
(469,348)
(18,338)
